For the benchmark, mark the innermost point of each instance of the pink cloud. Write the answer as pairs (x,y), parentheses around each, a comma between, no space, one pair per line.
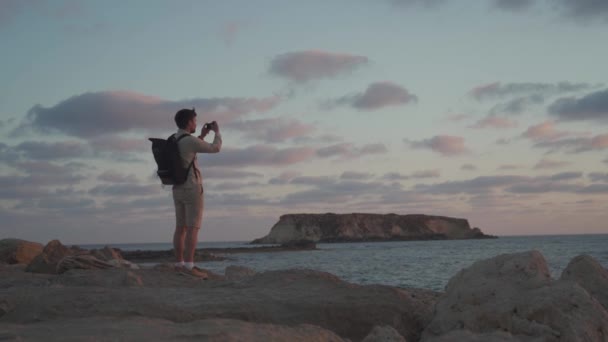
(349,150)
(304,66)
(272,129)
(229,31)
(494,122)
(551,164)
(108,113)
(599,142)
(446,145)
(543,131)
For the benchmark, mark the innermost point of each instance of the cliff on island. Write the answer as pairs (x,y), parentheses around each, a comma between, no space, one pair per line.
(368,227)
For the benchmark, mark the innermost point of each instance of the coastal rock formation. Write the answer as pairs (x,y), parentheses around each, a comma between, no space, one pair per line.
(514,294)
(284,298)
(152,329)
(16,251)
(57,258)
(590,275)
(508,298)
(367,227)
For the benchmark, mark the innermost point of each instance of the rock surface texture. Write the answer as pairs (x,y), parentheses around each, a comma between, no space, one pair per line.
(367,227)
(508,298)
(514,294)
(16,251)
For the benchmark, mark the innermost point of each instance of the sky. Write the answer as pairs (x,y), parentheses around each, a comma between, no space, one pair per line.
(491,110)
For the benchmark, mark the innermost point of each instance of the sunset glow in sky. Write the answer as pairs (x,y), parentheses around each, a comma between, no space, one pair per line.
(495,111)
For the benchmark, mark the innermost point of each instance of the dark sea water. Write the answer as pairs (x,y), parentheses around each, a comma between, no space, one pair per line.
(421,264)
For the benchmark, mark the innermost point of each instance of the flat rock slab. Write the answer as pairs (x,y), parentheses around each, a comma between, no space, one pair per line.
(290,298)
(150,329)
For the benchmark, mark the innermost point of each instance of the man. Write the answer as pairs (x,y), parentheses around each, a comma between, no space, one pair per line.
(188,197)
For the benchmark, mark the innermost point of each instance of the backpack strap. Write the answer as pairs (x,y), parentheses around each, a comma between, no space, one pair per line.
(193,159)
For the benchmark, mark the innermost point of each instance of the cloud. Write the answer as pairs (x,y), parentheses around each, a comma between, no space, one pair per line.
(229,31)
(585,9)
(513,184)
(320,181)
(116,177)
(284,177)
(566,176)
(550,164)
(377,95)
(426,174)
(513,5)
(576,145)
(107,113)
(272,130)
(334,191)
(509,167)
(497,90)
(395,176)
(354,175)
(543,132)
(494,122)
(422,3)
(446,145)
(259,155)
(593,106)
(119,144)
(468,167)
(350,151)
(309,65)
(36,179)
(219,172)
(598,177)
(39,150)
(125,190)
(457,117)
(476,185)
(517,105)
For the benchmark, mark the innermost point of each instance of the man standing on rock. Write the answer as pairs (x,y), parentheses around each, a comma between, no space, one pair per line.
(188,197)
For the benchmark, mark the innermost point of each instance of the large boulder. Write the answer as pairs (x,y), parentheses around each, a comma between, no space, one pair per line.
(52,254)
(384,333)
(106,254)
(514,293)
(16,251)
(590,275)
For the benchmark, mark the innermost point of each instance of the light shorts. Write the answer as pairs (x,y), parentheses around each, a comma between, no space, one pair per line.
(189,202)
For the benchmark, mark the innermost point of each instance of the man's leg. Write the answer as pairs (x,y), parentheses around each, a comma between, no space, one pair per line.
(178,243)
(191,242)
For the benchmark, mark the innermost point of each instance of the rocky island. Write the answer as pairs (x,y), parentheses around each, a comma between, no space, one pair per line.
(358,227)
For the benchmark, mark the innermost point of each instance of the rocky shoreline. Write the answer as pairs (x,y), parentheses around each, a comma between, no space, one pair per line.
(67,294)
(214,254)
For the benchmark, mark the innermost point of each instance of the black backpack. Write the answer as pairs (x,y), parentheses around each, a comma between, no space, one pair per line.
(166,154)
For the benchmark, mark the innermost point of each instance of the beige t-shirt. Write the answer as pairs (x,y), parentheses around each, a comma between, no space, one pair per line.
(188,148)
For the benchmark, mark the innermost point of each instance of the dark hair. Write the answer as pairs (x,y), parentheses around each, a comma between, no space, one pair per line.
(183,116)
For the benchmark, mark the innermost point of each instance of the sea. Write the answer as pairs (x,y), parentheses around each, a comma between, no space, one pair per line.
(419,264)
